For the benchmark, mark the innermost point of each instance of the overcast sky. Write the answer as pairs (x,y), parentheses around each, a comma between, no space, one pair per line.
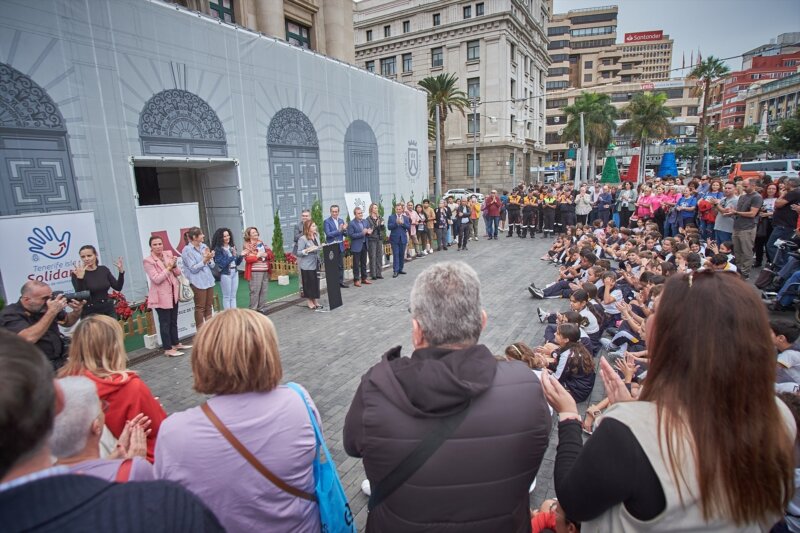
(722,28)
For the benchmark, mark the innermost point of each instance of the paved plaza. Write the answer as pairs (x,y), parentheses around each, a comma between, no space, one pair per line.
(328,352)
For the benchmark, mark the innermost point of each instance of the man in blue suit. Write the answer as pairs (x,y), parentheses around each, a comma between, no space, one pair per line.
(399,226)
(358,231)
(335,229)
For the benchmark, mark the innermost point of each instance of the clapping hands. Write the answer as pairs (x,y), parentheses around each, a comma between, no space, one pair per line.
(132,441)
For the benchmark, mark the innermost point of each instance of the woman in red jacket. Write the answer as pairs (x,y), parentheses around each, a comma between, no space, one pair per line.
(258,263)
(98,353)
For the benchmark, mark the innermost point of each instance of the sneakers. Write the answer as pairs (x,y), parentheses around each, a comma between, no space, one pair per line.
(365,488)
(536,292)
(606,343)
(542,314)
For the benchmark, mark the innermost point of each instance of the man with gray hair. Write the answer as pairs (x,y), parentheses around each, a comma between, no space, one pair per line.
(37,496)
(79,427)
(451,437)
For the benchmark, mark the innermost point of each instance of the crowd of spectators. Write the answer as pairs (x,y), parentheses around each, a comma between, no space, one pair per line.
(696,429)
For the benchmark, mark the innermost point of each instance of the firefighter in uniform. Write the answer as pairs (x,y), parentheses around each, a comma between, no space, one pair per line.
(549,212)
(513,207)
(529,215)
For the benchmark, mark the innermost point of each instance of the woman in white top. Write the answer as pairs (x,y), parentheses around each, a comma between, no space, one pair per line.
(711,446)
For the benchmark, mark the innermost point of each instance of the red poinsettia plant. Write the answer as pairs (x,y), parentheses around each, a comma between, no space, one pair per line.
(291,259)
(121,307)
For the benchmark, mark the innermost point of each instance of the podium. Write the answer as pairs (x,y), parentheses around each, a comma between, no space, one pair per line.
(331,257)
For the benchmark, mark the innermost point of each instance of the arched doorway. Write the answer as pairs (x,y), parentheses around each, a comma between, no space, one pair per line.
(361,160)
(293,166)
(186,132)
(179,123)
(35,163)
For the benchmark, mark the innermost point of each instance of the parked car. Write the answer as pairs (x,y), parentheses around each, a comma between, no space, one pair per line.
(463,193)
(774,168)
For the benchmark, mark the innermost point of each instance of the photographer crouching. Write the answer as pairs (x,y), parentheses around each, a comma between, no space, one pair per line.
(37,315)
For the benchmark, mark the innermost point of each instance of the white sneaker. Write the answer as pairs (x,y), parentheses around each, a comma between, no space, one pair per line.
(365,488)
(542,314)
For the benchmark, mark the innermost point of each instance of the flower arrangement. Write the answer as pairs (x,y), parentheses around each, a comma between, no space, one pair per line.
(121,307)
(291,258)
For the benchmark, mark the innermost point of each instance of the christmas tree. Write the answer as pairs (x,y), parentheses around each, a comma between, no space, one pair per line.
(316,216)
(277,239)
(610,171)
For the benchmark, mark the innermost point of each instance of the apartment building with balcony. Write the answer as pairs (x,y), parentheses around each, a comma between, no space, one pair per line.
(779,99)
(498,51)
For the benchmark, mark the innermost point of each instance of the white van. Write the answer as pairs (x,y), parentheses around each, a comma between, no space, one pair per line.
(774,168)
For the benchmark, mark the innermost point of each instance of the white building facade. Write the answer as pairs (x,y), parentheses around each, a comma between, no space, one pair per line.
(106,105)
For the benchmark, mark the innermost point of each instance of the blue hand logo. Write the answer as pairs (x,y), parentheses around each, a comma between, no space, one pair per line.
(48,244)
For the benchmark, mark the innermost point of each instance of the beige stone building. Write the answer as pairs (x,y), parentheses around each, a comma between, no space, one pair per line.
(653,48)
(325,26)
(498,51)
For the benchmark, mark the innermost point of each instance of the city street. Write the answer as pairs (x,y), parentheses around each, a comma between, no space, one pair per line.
(328,352)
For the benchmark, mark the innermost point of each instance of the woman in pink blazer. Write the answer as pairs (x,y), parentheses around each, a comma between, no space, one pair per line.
(162,271)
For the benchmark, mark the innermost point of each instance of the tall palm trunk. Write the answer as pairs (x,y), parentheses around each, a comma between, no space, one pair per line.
(593,163)
(701,135)
(441,151)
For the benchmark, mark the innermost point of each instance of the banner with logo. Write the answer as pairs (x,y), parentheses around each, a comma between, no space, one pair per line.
(43,247)
(170,222)
(357,199)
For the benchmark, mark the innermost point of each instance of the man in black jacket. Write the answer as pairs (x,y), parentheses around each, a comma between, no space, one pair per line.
(491,417)
(36,496)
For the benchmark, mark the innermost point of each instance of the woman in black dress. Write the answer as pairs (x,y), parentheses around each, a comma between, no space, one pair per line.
(88,275)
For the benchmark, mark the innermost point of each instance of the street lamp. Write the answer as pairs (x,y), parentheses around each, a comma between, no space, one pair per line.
(475,125)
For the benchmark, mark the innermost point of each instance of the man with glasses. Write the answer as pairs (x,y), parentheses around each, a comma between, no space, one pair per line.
(36,317)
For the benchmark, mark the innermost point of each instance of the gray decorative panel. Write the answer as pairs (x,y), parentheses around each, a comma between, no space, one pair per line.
(23,104)
(35,164)
(294,167)
(290,127)
(176,122)
(361,160)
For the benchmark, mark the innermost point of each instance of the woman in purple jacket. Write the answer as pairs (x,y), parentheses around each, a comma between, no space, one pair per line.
(236,359)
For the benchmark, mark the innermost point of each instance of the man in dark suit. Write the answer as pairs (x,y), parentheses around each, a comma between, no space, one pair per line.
(335,229)
(399,226)
(358,231)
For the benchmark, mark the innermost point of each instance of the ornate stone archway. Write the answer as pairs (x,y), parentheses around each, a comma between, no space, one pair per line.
(293,166)
(179,123)
(361,160)
(35,163)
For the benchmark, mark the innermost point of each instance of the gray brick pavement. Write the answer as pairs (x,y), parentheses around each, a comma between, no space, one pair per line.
(328,352)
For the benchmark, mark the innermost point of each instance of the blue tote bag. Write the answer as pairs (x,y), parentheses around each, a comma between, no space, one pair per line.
(334,510)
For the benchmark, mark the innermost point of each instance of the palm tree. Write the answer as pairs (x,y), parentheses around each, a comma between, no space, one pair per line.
(598,122)
(707,70)
(647,119)
(443,93)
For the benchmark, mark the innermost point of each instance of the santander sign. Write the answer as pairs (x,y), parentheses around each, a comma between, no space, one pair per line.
(641,36)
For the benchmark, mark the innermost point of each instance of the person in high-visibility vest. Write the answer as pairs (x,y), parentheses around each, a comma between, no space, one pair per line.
(529,215)
(513,208)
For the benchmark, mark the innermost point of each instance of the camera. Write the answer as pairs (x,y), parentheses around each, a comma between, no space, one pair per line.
(80,295)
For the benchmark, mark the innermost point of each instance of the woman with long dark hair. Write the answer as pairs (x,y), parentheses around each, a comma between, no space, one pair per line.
(90,275)
(764,228)
(708,446)
(226,258)
(626,203)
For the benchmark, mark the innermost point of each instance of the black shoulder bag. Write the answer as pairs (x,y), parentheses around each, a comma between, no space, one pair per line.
(414,461)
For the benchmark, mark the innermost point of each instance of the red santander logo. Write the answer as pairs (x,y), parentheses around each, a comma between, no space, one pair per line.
(641,36)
